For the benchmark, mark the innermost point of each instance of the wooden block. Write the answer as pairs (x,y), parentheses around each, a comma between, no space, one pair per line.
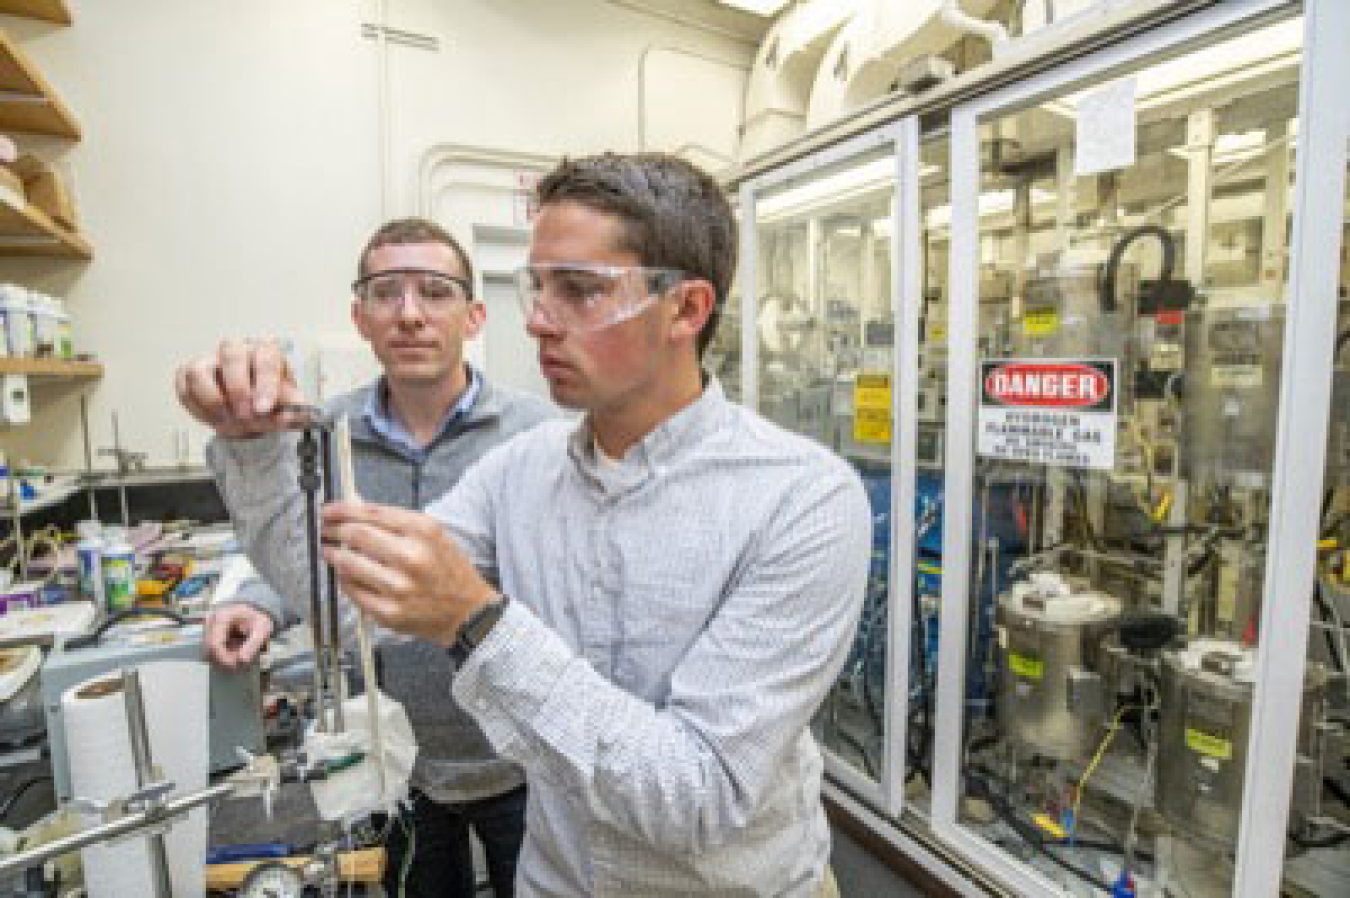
(366,865)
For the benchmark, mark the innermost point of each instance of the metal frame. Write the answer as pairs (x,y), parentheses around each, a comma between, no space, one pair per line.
(1301,442)
(886,792)
(1204,27)
(749,287)
(907,292)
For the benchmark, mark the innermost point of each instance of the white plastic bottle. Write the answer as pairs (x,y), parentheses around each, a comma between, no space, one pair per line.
(119,573)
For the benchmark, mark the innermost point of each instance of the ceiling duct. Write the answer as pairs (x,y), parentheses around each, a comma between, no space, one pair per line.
(866,56)
(779,88)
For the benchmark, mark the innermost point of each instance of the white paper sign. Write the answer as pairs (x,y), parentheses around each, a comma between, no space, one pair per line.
(1059,412)
(1106,129)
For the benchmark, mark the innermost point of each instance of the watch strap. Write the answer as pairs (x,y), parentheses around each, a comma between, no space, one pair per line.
(475,629)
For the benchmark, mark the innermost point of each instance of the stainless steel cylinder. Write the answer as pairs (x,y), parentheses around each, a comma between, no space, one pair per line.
(1052,699)
(1205,722)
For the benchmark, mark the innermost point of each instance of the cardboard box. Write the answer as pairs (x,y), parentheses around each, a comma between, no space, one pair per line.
(46,190)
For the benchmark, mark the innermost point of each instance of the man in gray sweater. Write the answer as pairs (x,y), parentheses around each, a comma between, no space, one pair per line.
(414,432)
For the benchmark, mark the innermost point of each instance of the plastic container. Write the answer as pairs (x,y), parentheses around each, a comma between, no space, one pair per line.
(89,553)
(119,574)
(46,334)
(65,335)
(20,596)
(18,320)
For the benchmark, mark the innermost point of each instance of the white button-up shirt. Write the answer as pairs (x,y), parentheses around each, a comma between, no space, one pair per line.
(675,621)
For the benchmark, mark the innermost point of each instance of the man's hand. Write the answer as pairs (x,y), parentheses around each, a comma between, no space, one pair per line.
(403,569)
(239,389)
(235,634)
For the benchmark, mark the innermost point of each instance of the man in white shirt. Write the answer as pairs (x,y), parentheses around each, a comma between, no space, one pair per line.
(646,606)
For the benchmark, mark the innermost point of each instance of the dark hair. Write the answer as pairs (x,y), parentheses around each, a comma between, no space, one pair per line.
(413,230)
(674,214)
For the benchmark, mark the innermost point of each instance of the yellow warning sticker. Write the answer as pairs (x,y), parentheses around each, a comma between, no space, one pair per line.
(1049,826)
(1025,666)
(1040,322)
(872,408)
(1208,744)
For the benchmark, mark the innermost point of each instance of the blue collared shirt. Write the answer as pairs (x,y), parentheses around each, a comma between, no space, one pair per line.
(381,419)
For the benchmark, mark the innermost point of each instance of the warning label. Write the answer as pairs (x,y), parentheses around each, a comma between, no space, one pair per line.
(1049,411)
(872,408)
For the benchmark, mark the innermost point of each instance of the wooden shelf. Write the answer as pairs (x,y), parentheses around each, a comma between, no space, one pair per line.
(27,101)
(28,231)
(46,10)
(51,368)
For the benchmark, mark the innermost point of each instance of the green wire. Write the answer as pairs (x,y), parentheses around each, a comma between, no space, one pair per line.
(408,852)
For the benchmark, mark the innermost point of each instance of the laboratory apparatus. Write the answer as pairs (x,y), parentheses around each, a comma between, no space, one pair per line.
(1057,325)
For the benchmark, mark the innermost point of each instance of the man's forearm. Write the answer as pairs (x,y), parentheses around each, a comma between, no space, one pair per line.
(257,480)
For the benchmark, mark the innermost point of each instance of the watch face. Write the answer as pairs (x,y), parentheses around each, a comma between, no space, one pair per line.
(272,880)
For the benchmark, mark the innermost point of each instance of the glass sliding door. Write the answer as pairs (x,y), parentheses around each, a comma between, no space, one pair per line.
(1116,356)
(824,354)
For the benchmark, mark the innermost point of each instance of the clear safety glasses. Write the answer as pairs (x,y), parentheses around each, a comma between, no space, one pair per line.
(382,293)
(579,297)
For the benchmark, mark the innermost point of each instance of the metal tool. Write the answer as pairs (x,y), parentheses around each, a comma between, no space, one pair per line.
(304,417)
(316,469)
(147,774)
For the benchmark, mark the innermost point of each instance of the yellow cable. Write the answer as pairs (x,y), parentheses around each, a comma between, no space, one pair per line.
(1163,507)
(1097,759)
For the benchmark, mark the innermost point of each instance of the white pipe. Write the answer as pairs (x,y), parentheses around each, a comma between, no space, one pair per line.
(382,105)
(957,18)
(445,153)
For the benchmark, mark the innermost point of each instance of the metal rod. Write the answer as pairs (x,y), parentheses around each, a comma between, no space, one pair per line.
(88,459)
(122,470)
(105,831)
(309,484)
(16,505)
(145,772)
(334,627)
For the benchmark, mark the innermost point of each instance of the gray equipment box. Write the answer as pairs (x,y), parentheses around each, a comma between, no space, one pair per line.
(235,715)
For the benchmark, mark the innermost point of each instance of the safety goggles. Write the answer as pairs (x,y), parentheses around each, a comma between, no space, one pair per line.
(383,292)
(578,297)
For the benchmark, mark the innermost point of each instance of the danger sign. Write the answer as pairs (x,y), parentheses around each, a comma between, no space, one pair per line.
(1049,411)
(1052,385)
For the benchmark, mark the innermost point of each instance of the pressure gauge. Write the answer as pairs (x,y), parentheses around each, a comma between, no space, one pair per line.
(272,880)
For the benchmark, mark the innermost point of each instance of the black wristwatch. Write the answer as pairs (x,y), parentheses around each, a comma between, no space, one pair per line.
(474,630)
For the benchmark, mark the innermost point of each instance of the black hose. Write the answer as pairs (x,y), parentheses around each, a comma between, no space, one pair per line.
(1196,567)
(1033,837)
(1337,791)
(1107,293)
(869,767)
(14,796)
(1330,840)
(1324,610)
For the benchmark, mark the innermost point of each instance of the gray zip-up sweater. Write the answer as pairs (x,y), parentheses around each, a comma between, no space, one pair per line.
(454,761)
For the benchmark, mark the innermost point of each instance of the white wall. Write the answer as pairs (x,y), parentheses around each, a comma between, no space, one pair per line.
(229,170)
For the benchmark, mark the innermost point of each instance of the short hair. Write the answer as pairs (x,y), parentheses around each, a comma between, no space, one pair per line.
(413,230)
(674,214)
